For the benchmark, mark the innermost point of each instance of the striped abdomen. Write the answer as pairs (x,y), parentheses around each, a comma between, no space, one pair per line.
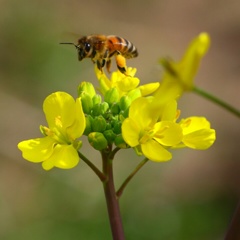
(122,46)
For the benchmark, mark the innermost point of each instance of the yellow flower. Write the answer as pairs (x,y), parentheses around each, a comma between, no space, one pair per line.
(147,134)
(125,84)
(197,133)
(179,76)
(66,123)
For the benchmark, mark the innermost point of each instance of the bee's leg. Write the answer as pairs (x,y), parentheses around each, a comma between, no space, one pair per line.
(108,65)
(121,63)
(101,63)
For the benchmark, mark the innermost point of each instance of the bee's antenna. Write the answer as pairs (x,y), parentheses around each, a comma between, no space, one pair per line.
(70,44)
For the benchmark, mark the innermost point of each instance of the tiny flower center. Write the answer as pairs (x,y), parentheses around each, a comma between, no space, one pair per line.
(58,122)
(152,133)
(58,132)
(160,132)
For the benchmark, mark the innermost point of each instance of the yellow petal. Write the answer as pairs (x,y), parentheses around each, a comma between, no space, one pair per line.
(64,157)
(197,132)
(59,106)
(149,88)
(192,124)
(130,132)
(37,150)
(140,111)
(179,76)
(155,152)
(169,111)
(191,60)
(201,139)
(104,82)
(77,128)
(128,83)
(168,134)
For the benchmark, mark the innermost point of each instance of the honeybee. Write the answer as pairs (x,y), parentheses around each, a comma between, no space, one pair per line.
(101,49)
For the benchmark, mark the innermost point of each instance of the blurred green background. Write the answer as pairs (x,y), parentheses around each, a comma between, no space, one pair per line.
(193,196)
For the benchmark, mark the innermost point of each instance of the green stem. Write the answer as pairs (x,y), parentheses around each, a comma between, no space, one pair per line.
(216,100)
(139,166)
(93,167)
(111,198)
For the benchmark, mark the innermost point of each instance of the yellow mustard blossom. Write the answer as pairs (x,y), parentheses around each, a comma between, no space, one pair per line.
(147,133)
(179,76)
(197,133)
(58,148)
(125,84)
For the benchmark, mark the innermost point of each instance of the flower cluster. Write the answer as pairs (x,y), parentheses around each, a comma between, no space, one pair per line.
(126,115)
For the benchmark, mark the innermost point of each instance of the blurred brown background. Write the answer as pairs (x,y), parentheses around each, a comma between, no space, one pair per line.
(191,197)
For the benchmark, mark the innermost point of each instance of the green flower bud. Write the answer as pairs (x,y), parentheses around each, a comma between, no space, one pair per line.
(99,124)
(115,108)
(125,113)
(111,96)
(88,127)
(119,142)
(97,140)
(117,127)
(96,99)
(109,126)
(125,102)
(104,107)
(87,103)
(99,109)
(86,87)
(96,110)
(109,135)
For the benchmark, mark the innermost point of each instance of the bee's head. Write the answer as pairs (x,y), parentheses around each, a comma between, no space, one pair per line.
(83,47)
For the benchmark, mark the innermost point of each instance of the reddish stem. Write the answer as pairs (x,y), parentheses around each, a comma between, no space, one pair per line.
(111,199)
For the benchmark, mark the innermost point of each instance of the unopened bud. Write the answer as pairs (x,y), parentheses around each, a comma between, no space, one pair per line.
(104,107)
(119,142)
(109,135)
(88,127)
(125,102)
(96,99)
(111,96)
(86,87)
(115,108)
(97,140)
(87,103)
(99,109)
(117,127)
(99,124)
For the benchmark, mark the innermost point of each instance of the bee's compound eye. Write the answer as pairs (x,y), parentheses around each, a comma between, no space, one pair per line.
(87,47)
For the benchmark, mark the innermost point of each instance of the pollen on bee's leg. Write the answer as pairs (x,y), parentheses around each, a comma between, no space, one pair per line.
(121,63)
(122,70)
